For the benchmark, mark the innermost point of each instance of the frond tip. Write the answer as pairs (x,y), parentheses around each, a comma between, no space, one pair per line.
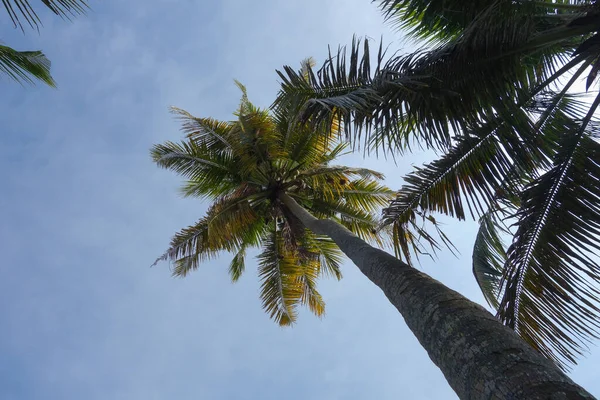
(25,66)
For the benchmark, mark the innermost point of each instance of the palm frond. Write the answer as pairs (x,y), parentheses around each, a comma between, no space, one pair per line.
(441,20)
(489,256)
(211,173)
(238,265)
(503,54)
(25,66)
(310,295)
(326,251)
(467,177)
(281,290)
(189,247)
(550,280)
(425,95)
(210,132)
(432,19)
(360,222)
(22,9)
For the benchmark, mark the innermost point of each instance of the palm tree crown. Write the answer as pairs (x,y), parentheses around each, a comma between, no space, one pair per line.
(241,166)
(519,151)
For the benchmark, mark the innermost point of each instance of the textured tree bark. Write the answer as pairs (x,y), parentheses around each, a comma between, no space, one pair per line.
(480,357)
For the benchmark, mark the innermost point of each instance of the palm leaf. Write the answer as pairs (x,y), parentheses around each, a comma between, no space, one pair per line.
(310,295)
(22,9)
(466,178)
(446,19)
(238,265)
(279,271)
(489,256)
(210,132)
(329,255)
(427,95)
(25,66)
(549,283)
(188,247)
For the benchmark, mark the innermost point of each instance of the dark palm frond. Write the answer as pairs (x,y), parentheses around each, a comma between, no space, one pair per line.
(550,294)
(489,250)
(413,238)
(361,97)
(466,181)
(423,96)
(489,256)
(467,177)
(25,66)
(238,265)
(22,9)
(433,19)
(510,50)
(590,49)
(441,20)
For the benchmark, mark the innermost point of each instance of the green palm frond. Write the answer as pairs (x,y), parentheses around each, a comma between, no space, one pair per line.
(210,132)
(211,173)
(25,66)
(360,222)
(549,285)
(22,9)
(188,247)
(366,194)
(230,224)
(238,265)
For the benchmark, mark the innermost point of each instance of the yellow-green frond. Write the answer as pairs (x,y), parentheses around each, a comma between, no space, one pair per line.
(280,291)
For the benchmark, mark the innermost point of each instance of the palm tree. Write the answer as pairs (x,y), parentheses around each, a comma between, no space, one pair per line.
(25,66)
(242,166)
(272,186)
(494,95)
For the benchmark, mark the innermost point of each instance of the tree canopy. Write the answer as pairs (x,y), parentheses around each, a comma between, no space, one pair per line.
(494,93)
(240,166)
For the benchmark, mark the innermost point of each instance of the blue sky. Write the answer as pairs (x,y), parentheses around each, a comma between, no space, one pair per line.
(84,213)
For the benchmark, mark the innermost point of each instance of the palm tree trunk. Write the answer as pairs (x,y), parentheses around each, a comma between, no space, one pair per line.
(480,357)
